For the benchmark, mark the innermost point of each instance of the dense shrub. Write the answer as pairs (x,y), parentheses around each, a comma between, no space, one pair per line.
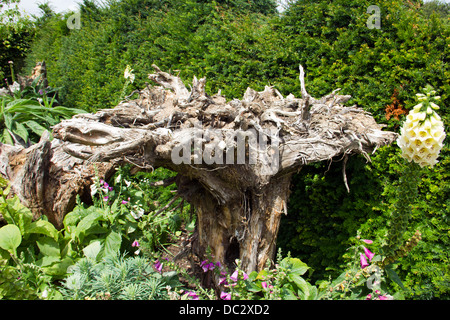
(212,39)
(378,68)
(16,34)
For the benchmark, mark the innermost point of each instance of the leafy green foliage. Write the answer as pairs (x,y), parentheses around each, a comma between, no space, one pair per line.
(13,286)
(36,241)
(16,34)
(195,37)
(99,230)
(159,223)
(284,282)
(333,43)
(28,113)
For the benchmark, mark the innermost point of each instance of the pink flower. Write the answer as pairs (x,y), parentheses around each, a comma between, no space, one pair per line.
(10,62)
(207,266)
(234,276)
(225,296)
(369,296)
(368,254)
(124,202)
(367,241)
(193,295)
(105,198)
(135,243)
(363,261)
(264,285)
(158,266)
(223,280)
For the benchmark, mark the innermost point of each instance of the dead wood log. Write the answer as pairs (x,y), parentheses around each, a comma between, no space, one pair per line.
(46,179)
(234,159)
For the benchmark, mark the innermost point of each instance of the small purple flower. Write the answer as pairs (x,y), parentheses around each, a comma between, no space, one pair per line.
(363,261)
(223,280)
(225,296)
(105,198)
(264,285)
(158,266)
(124,202)
(204,265)
(207,266)
(135,243)
(369,296)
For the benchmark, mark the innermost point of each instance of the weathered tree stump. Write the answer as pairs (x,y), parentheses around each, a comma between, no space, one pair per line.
(234,159)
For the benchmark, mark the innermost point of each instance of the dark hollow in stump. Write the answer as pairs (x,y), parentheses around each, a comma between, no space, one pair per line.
(234,159)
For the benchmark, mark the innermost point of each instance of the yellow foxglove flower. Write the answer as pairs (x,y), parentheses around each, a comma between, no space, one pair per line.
(128,74)
(422,135)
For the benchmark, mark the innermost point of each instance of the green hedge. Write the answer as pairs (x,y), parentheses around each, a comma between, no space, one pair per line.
(338,50)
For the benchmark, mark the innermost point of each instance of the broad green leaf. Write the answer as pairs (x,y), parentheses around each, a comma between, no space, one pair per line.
(390,272)
(301,284)
(10,238)
(22,105)
(262,274)
(112,244)
(43,227)
(35,127)
(7,138)
(295,265)
(86,223)
(92,250)
(48,247)
(59,268)
(288,293)
(46,261)
(73,217)
(8,120)
(17,214)
(21,131)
